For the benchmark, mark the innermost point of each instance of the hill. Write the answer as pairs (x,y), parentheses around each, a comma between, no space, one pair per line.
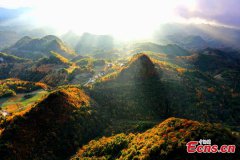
(166,140)
(37,48)
(53,129)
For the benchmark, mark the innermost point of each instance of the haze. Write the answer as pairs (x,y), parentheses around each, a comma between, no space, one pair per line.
(120,18)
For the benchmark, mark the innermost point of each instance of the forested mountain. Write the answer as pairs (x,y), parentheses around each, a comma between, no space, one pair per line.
(53,128)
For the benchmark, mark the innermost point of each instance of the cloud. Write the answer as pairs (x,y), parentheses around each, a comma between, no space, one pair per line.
(225,12)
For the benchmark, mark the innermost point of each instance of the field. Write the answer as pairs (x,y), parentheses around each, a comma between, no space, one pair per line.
(21,101)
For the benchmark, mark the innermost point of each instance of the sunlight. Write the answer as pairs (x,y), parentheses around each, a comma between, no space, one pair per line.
(123,19)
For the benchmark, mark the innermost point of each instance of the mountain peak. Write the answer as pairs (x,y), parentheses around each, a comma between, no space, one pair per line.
(139,67)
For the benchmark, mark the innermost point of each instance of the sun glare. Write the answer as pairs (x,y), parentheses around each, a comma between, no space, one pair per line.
(121,18)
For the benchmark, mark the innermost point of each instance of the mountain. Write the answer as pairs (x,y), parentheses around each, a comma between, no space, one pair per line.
(133,92)
(166,140)
(54,128)
(140,67)
(93,44)
(170,49)
(37,48)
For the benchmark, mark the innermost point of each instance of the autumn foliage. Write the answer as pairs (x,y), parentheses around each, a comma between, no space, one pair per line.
(164,141)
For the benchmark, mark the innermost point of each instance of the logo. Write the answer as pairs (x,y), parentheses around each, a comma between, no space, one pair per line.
(205,146)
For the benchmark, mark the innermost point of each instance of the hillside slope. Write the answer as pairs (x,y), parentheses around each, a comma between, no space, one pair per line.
(53,129)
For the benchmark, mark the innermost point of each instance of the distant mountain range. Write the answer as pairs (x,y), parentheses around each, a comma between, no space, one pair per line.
(37,48)
(198,36)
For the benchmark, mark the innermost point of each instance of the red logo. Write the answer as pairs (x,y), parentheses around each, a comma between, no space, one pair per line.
(204,146)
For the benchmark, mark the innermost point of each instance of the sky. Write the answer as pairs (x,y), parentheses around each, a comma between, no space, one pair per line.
(124,18)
